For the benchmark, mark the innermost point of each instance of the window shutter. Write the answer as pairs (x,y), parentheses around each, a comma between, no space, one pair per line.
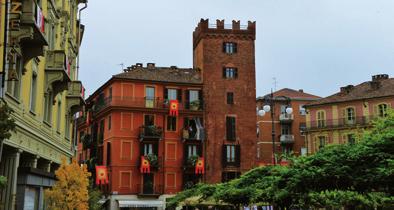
(235,72)
(199,150)
(187,102)
(235,47)
(179,94)
(142,149)
(228,128)
(238,155)
(165,94)
(224,72)
(224,154)
(224,47)
(233,128)
(155,149)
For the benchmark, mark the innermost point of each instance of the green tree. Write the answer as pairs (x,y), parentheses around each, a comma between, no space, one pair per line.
(7,125)
(356,176)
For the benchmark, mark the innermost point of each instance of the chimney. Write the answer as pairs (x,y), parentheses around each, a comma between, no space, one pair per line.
(301,90)
(376,79)
(151,66)
(139,65)
(173,67)
(347,89)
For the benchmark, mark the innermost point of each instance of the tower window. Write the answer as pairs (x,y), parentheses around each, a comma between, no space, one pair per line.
(229,47)
(230,128)
(230,98)
(230,72)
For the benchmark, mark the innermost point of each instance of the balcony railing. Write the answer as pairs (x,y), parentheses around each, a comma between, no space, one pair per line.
(144,102)
(284,117)
(150,133)
(148,189)
(286,139)
(340,123)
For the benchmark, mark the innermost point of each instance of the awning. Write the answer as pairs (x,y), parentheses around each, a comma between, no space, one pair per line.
(140,203)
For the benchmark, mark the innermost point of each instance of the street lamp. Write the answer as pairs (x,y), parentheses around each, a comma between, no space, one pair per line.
(270,106)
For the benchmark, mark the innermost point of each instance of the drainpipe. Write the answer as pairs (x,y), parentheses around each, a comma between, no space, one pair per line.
(79,36)
(3,75)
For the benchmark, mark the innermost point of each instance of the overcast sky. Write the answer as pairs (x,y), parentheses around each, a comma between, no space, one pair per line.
(315,45)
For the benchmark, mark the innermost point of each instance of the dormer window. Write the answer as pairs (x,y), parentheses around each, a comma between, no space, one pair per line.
(229,47)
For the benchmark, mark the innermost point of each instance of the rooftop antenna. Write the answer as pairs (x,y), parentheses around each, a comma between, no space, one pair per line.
(275,82)
(121,65)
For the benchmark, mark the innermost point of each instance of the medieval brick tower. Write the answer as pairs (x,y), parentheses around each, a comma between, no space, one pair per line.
(226,57)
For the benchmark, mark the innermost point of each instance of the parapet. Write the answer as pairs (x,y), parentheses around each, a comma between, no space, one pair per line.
(205,28)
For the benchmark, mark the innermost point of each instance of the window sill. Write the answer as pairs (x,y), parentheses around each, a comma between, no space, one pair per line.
(14,99)
(47,124)
(32,113)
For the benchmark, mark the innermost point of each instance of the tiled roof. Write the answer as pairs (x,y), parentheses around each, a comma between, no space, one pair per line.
(293,94)
(162,74)
(370,89)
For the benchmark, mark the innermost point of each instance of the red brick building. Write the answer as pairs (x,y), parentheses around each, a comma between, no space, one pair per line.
(341,117)
(130,120)
(289,128)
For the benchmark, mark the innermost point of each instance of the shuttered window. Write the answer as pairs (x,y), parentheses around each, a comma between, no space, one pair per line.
(229,47)
(231,155)
(230,128)
(230,98)
(230,73)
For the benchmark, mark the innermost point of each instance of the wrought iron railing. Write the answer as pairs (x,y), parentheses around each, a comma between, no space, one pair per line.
(341,122)
(144,102)
(151,132)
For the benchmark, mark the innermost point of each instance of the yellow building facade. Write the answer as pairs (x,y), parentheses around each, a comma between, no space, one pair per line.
(39,48)
(343,117)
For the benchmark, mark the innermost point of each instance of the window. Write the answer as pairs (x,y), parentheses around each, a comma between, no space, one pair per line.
(33,88)
(110,93)
(230,98)
(59,114)
(191,150)
(230,128)
(230,72)
(149,97)
(382,110)
(321,119)
(81,135)
(171,123)
(48,100)
(231,155)
(171,94)
(321,141)
(302,128)
(67,130)
(229,47)
(14,86)
(351,139)
(285,130)
(108,153)
(193,99)
(109,122)
(350,116)
(101,134)
(302,110)
(149,120)
(148,149)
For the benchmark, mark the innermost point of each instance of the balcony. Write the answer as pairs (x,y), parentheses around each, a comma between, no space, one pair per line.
(75,100)
(196,105)
(192,134)
(286,118)
(57,71)
(340,123)
(144,103)
(152,132)
(30,30)
(286,139)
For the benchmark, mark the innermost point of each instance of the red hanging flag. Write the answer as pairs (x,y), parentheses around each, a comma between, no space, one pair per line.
(174,105)
(101,175)
(145,165)
(200,166)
